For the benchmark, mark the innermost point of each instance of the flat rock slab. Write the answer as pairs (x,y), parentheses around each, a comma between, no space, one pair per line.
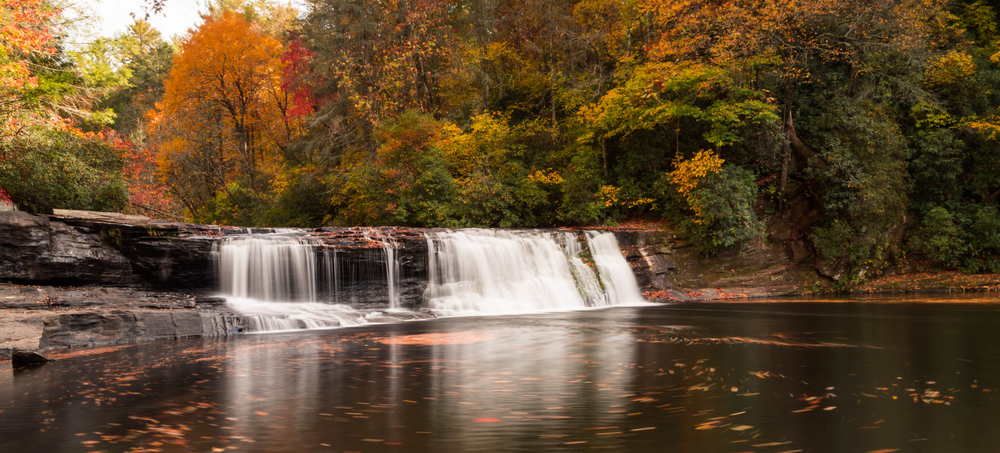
(98,328)
(20,330)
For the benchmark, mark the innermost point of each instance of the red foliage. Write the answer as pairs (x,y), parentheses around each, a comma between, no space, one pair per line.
(147,194)
(297,63)
(25,28)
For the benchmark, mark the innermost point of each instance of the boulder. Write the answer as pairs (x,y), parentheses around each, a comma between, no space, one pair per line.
(22,357)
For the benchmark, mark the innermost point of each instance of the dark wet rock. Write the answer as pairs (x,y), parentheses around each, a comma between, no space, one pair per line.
(118,327)
(222,324)
(209,301)
(21,357)
(32,248)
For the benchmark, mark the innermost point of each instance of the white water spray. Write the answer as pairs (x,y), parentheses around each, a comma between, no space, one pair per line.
(616,274)
(269,268)
(391,263)
(493,271)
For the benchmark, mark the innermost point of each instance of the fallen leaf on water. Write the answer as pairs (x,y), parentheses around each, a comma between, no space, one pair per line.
(487,420)
(772,444)
(439,338)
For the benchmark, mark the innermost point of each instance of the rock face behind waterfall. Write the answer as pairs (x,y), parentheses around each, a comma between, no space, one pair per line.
(81,248)
(100,249)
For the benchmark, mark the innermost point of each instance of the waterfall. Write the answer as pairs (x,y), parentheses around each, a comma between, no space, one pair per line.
(616,274)
(391,263)
(494,271)
(269,268)
(299,280)
(587,282)
(331,272)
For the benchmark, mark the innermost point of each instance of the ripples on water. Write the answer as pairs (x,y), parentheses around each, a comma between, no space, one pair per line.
(779,377)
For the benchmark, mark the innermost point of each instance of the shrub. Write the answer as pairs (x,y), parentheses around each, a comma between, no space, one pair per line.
(59,170)
(723,207)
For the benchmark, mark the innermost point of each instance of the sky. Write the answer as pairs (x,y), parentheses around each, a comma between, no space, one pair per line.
(176,18)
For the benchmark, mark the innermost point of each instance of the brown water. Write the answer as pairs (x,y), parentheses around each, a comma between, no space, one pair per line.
(886,374)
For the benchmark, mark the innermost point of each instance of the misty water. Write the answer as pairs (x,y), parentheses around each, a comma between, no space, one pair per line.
(907,373)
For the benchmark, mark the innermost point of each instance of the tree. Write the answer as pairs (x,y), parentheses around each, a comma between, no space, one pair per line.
(222,124)
(375,60)
(145,57)
(26,32)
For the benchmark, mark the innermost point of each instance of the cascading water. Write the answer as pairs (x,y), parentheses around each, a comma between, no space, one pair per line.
(616,274)
(492,271)
(282,282)
(587,282)
(299,280)
(391,263)
(269,268)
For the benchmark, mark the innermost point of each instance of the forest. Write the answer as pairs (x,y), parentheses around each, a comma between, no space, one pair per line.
(709,116)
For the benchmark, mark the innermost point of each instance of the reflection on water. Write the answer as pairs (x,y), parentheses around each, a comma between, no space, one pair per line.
(778,377)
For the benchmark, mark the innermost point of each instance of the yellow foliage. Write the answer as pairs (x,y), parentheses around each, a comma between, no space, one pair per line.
(610,195)
(688,174)
(989,127)
(953,67)
(552,177)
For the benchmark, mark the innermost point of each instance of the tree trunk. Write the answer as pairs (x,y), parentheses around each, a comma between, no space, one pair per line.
(793,143)
(604,156)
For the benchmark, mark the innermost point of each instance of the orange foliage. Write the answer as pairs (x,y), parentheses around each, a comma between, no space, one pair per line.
(223,117)
(790,31)
(26,28)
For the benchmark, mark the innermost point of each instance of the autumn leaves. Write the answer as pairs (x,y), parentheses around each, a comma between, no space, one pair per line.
(224,117)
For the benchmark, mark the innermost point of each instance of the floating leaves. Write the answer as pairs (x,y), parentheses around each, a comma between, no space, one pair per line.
(439,338)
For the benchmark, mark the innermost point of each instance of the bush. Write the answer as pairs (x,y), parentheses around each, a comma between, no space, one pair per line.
(724,203)
(59,170)
(864,184)
(940,238)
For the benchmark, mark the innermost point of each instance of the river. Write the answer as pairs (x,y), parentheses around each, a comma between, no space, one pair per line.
(901,373)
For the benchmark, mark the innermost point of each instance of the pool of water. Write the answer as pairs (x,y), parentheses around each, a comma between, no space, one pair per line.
(844,375)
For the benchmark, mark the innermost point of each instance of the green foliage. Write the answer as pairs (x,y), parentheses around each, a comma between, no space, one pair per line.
(581,202)
(865,184)
(660,93)
(489,163)
(56,170)
(979,20)
(940,238)
(146,58)
(937,168)
(968,239)
(726,218)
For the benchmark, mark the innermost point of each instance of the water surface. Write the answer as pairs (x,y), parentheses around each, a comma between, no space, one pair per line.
(886,374)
